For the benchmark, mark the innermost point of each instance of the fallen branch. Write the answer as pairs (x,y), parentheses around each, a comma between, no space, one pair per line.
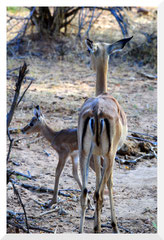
(72,190)
(40,229)
(148,75)
(64,194)
(17,225)
(48,212)
(143,134)
(12,213)
(35,188)
(45,190)
(32,227)
(11,172)
(109,226)
(142,139)
(153,151)
(125,161)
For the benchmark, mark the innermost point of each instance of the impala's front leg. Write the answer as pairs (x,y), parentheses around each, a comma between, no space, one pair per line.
(59,169)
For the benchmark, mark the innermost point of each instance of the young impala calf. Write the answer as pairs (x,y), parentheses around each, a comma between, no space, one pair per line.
(64,142)
(102,129)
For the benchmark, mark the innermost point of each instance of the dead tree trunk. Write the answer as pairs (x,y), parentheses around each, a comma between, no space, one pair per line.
(51,20)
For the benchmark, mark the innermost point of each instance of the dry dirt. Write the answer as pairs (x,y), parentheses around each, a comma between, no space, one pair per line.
(60,88)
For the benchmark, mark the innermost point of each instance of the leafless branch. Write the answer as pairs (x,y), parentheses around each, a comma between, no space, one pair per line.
(24,92)
(22,72)
(20,200)
(10,146)
(22,32)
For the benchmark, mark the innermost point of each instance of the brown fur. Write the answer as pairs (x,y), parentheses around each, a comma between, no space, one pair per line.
(64,142)
(111,127)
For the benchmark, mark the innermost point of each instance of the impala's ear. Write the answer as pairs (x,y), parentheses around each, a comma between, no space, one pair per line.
(91,47)
(89,44)
(37,111)
(118,46)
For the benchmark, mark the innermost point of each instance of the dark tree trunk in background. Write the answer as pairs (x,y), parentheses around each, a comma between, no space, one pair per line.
(52,20)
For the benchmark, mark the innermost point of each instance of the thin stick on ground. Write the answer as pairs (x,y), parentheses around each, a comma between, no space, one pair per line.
(17,225)
(143,134)
(12,172)
(32,227)
(126,161)
(142,139)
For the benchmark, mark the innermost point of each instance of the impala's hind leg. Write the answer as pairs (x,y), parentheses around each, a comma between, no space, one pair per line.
(113,217)
(84,192)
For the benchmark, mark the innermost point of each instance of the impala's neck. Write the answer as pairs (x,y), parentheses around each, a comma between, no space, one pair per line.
(47,132)
(101,78)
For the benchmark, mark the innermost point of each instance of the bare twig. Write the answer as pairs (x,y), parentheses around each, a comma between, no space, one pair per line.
(22,72)
(12,70)
(148,75)
(12,213)
(90,22)
(40,229)
(24,92)
(11,172)
(125,229)
(48,212)
(109,226)
(153,151)
(48,154)
(20,200)
(142,139)
(35,188)
(17,225)
(124,161)
(10,146)
(71,190)
(63,194)
(22,32)
(143,134)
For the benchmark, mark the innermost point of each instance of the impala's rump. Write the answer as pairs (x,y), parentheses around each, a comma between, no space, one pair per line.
(98,123)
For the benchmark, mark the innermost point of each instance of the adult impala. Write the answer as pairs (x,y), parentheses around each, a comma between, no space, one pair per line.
(102,129)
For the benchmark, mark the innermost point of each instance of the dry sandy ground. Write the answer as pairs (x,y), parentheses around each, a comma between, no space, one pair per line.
(60,88)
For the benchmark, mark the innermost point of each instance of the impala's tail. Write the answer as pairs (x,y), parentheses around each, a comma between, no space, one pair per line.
(97,125)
